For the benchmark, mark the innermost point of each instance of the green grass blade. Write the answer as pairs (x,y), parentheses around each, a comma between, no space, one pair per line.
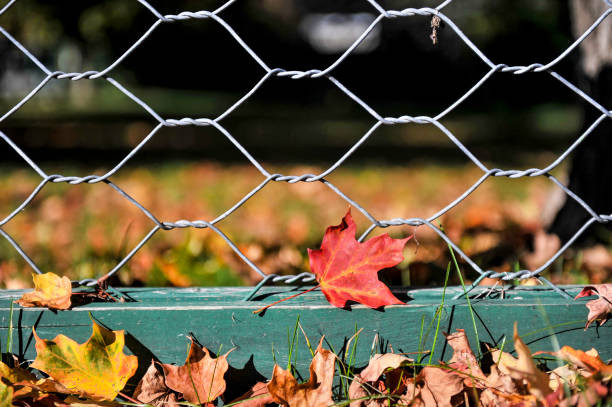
(469,303)
(439,312)
(9,336)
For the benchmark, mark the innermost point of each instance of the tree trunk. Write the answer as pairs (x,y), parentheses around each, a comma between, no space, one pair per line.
(590,174)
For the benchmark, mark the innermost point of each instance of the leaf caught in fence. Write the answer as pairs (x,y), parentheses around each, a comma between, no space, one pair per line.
(601,308)
(316,392)
(347,270)
(97,368)
(50,291)
(200,380)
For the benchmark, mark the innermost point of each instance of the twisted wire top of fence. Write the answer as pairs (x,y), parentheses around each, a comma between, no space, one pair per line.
(379,120)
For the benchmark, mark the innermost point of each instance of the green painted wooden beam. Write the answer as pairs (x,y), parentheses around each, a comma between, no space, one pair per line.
(160,320)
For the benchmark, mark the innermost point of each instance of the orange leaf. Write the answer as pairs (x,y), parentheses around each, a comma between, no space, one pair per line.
(97,368)
(50,290)
(589,361)
(200,379)
(316,392)
(347,270)
(601,307)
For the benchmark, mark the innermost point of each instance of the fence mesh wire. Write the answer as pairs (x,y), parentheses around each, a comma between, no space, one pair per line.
(379,120)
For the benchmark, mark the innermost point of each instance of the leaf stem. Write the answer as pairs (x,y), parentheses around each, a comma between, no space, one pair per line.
(128,398)
(285,299)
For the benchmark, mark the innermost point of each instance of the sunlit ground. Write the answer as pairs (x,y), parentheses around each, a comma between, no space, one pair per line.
(82,231)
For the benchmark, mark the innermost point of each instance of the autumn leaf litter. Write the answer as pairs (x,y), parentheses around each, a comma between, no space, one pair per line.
(95,373)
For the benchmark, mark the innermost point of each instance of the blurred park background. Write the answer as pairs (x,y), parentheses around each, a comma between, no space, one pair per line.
(196,69)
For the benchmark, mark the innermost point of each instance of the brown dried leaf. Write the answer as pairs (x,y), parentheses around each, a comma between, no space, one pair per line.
(50,291)
(377,366)
(490,398)
(42,400)
(379,363)
(257,396)
(499,399)
(411,396)
(440,385)
(562,375)
(316,392)
(594,393)
(499,389)
(15,374)
(152,389)
(500,382)
(35,389)
(503,360)
(464,359)
(600,308)
(200,379)
(525,369)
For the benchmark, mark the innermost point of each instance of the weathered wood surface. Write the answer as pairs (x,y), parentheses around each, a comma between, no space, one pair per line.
(158,323)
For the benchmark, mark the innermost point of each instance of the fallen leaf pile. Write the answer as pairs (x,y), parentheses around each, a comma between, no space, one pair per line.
(392,379)
(94,374)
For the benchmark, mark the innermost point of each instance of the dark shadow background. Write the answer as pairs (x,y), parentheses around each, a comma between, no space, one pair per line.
(195,69)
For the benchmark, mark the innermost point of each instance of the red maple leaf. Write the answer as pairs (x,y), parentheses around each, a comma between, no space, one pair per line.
(347,270)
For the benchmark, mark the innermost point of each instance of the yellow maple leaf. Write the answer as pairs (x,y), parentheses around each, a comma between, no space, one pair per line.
(97,368)
(50,291)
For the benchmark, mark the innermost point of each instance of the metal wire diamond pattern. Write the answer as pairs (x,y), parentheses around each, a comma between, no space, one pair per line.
(379,120)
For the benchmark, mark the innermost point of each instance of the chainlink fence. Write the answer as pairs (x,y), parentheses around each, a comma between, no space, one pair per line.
(379,120)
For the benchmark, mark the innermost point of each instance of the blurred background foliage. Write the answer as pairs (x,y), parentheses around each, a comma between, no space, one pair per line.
(195,69)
